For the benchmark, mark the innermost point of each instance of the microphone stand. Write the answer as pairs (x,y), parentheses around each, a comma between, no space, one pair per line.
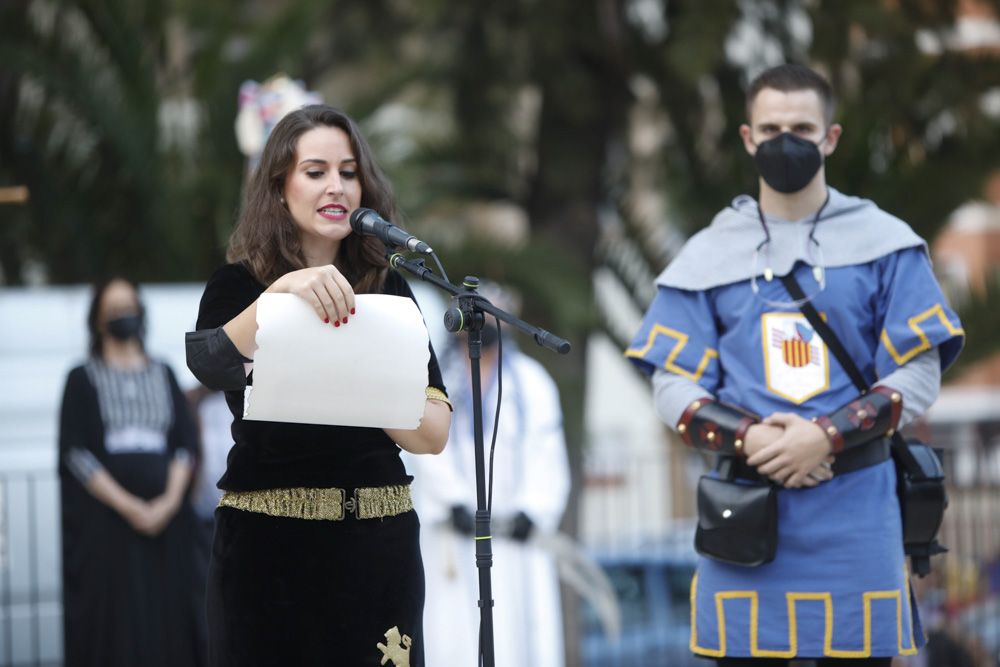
(469,316)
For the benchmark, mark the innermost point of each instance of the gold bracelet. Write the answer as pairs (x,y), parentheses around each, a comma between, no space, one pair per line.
(438,395)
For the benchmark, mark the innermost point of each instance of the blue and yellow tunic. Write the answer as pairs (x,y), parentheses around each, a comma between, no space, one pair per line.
(838,586)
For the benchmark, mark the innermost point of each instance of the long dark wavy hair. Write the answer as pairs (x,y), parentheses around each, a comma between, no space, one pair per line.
(266,239)
(96,345)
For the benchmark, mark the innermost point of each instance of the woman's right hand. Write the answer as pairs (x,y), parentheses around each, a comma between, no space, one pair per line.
(324,287)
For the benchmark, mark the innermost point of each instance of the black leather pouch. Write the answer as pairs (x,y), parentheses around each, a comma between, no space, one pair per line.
(737,520)
(922,501)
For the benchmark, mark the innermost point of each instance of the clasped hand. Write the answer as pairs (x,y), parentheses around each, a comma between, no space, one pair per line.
(150,517)
(789,449)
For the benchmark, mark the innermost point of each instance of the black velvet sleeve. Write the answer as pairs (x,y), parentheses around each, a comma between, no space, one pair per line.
(211,356)
(396,285)
(227,294)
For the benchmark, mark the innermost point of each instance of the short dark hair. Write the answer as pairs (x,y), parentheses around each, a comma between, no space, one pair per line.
(788,78)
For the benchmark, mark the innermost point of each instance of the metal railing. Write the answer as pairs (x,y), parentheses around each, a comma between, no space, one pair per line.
(30,581)
(961,597)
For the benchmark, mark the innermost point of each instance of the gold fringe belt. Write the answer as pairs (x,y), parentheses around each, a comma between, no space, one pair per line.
(331,504)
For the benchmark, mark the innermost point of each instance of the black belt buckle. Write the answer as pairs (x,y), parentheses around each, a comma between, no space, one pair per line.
(351,504)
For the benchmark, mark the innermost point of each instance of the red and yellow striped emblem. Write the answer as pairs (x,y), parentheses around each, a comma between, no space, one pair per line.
(795,352)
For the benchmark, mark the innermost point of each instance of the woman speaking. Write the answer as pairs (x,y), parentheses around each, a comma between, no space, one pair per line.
(316,557)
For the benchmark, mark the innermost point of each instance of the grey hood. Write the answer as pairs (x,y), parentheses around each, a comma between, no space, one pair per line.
(850,231)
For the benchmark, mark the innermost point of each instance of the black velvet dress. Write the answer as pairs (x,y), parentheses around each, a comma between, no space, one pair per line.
(288,591)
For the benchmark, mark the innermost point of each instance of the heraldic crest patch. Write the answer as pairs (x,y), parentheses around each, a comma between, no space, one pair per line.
(796,360)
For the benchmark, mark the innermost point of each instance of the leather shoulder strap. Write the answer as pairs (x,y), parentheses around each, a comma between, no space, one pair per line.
(899,448)
(826,333)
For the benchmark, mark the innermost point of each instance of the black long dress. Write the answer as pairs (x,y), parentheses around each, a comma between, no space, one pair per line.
(286,591)
(128,599)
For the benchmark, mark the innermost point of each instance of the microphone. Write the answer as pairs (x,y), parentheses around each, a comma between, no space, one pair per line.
(367,222)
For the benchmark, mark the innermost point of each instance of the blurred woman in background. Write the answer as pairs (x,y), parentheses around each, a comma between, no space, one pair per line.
(126,441)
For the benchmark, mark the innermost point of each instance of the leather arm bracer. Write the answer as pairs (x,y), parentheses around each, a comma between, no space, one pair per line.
(717,427)
(867,417)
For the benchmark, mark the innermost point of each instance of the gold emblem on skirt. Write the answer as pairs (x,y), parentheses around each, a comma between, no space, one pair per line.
(396,648)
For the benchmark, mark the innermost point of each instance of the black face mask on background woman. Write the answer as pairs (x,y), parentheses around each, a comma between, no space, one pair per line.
(123,328)
(787,162)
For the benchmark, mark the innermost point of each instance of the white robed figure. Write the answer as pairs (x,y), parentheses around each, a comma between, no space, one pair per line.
(530,486)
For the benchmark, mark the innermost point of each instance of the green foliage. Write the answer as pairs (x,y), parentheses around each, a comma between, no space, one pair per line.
(86,136)
(916,138)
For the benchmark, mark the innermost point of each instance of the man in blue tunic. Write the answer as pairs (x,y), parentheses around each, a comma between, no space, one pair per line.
(738,370)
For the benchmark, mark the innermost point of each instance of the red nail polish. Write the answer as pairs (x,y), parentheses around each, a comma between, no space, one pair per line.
(345,320)
(352,311)
(326,320)
(336,324)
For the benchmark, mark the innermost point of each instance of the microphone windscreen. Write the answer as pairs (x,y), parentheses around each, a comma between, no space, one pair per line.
(357,218)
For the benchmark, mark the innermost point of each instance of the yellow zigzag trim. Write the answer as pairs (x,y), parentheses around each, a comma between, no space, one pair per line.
(924,344)
(682,341)
(793,643)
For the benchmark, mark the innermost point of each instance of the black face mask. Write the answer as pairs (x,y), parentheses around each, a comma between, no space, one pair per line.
(125,327)
(787,162)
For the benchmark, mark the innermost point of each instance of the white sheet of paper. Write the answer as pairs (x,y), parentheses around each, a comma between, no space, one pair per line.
(370,372)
